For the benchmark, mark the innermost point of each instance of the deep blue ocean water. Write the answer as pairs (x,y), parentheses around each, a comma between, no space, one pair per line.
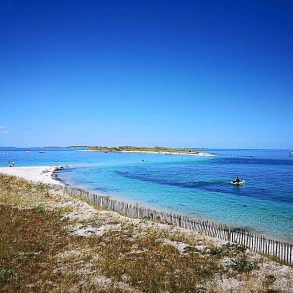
(195,186)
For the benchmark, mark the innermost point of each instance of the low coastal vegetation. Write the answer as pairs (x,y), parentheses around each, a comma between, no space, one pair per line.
(156,149)
(52,242)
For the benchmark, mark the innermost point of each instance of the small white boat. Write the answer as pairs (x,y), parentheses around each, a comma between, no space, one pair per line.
(241,182)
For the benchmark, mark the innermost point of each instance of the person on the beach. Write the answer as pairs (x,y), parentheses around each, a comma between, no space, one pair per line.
(9,164)
(12,163)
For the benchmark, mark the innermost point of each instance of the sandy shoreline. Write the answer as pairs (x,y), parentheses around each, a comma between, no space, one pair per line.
(49,175)
(42,174)
(107,237)
(145,240)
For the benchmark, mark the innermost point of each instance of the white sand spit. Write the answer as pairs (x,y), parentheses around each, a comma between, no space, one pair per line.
(41,174)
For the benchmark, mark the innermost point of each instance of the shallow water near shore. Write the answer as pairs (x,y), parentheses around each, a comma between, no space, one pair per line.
(195,186)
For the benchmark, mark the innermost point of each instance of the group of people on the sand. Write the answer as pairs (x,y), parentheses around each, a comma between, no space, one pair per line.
(10,163)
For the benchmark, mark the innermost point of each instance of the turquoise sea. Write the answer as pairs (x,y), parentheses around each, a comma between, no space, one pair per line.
(195,186)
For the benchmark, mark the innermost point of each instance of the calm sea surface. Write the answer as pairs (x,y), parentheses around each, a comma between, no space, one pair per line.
(194,186)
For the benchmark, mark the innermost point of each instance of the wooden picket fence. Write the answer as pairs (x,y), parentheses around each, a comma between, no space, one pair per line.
(256,242)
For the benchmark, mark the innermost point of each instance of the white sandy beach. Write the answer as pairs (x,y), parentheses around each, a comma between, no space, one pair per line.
(41,174)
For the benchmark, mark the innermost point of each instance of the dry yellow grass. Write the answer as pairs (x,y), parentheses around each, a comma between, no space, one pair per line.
(51,242)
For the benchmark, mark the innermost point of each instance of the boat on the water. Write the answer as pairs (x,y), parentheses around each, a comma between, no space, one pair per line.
(237,181)
(241,182)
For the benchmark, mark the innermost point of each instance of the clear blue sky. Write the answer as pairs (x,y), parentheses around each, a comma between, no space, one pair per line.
(169,73)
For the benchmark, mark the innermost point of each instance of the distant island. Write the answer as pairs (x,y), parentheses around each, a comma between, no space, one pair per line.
(161,150)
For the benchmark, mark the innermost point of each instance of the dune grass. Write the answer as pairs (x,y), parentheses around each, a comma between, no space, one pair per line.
(38,253)
(28,238)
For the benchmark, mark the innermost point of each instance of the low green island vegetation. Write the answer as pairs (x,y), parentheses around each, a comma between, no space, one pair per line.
(156,149)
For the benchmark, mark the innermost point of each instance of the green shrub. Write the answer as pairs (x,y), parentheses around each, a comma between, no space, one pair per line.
(8,274)
(244,266)
(229,249)
(269,280)
(40,209)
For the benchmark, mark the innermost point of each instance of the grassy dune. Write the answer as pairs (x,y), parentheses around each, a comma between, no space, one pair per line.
(50,241)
